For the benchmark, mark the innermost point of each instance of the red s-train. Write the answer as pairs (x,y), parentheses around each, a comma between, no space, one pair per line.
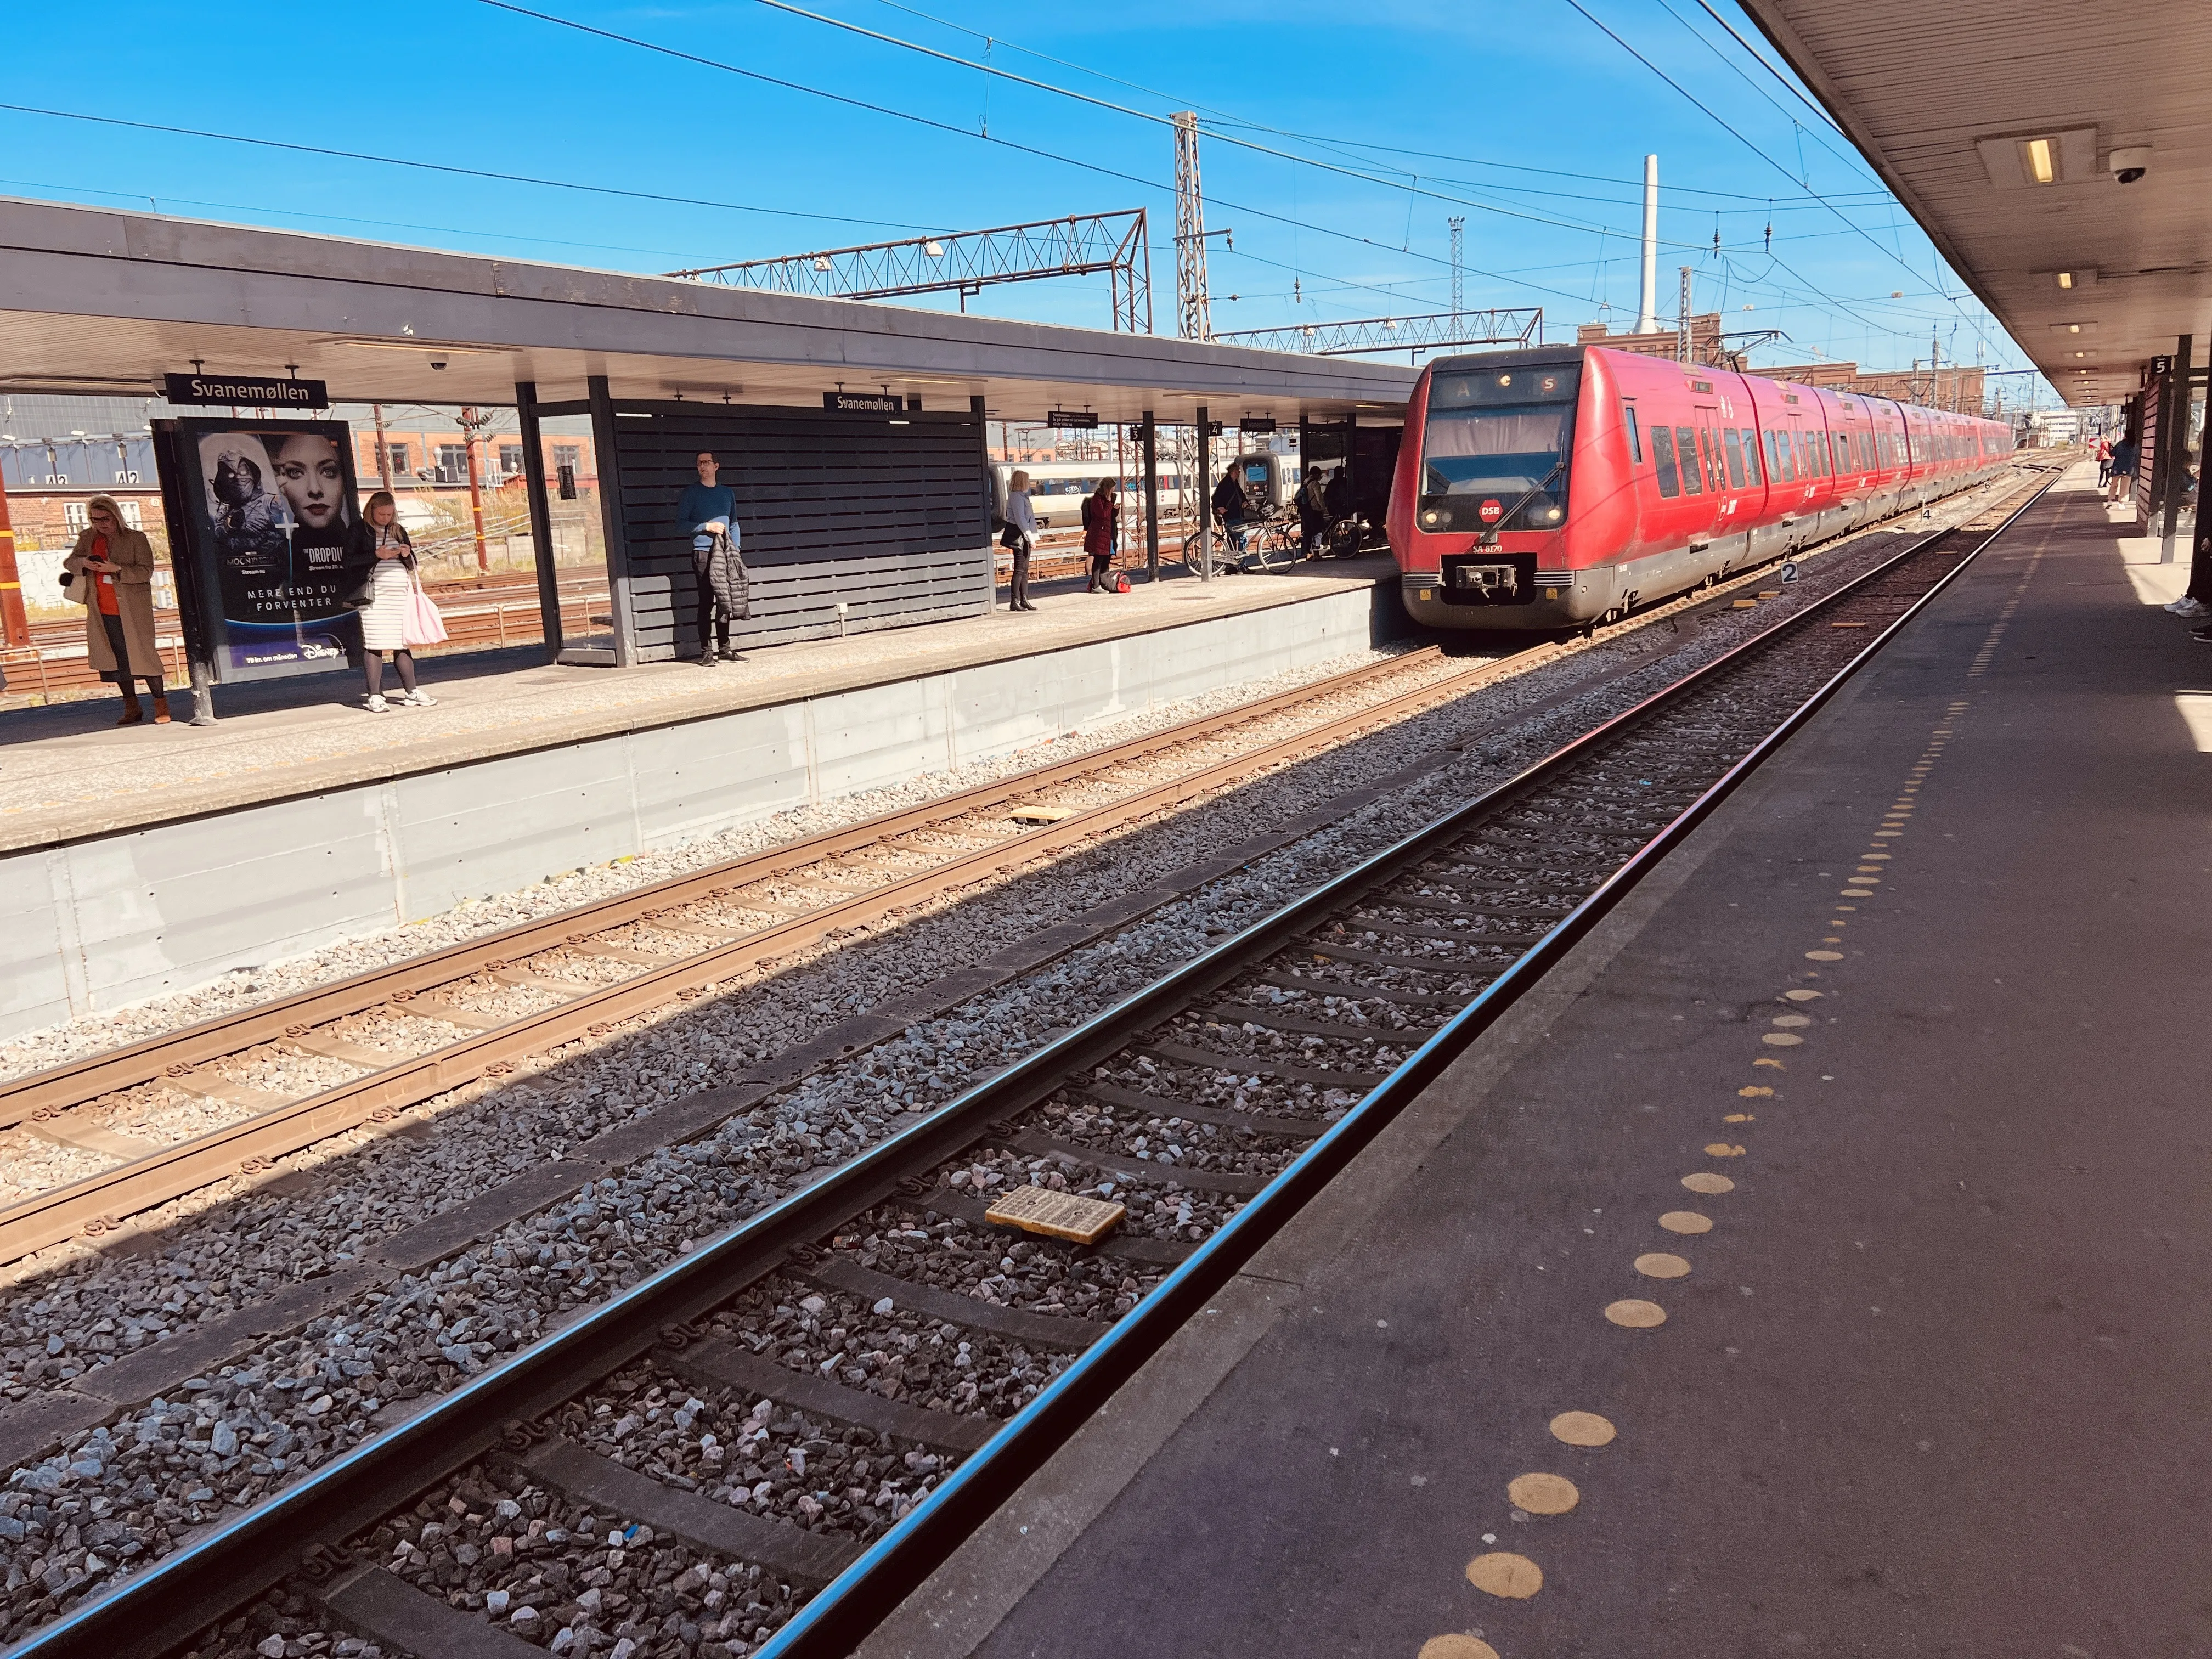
(1549,489)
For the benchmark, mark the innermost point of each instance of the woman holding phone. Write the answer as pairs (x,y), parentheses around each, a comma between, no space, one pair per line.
(375,579)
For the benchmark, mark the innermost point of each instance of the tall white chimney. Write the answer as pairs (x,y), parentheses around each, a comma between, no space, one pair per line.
(1647,309)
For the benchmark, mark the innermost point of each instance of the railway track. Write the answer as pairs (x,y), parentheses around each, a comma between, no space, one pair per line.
(763,1446)
(382,1042)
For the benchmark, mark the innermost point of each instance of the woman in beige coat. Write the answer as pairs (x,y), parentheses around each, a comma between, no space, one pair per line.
(114,570)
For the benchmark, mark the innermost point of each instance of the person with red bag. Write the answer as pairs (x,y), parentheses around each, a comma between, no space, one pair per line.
(377,578)
(110,571)
(1102,515)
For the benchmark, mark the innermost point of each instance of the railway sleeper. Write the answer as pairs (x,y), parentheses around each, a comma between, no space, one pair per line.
(600,1483)
(712,1363)
(1109,1094)
(839,1273)
(1272,1017)
(1029,1142)
(1349,992)
(1186,1053)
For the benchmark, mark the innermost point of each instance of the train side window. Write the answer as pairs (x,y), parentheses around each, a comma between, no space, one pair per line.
(1711,457)
(1663,461)
(1821,453)
(1686,444)
(1733,443)
(1786,463)
(1635,437)
(1750,455)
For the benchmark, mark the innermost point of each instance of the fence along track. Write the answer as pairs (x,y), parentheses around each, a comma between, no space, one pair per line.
(1508,867)
(97,1204)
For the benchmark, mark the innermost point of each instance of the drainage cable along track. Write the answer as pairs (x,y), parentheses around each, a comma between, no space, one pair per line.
(1213,1104)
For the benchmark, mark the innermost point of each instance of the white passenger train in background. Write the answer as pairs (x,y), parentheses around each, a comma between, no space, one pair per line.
(1057,488)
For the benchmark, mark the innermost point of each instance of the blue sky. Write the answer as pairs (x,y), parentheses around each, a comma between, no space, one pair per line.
(1339,139)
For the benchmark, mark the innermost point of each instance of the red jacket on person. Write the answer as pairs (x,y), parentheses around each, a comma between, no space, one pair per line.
(1100,514)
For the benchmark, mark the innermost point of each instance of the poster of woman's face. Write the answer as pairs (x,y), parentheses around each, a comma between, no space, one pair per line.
(272,503)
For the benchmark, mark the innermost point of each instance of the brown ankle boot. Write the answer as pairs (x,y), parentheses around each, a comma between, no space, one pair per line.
(160,708)
(132,713)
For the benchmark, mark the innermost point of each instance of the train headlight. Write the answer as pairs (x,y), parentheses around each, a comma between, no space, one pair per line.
(1433,518)
(1554,515)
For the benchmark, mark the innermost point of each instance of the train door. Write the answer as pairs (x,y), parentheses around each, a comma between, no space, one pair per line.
(1714,455)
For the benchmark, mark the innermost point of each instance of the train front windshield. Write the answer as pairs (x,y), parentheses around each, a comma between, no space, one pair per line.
(1493,436)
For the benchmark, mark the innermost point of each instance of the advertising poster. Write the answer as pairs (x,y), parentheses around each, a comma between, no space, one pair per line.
(267,507)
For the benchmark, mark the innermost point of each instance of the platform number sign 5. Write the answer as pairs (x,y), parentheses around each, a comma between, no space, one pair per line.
(1493,510)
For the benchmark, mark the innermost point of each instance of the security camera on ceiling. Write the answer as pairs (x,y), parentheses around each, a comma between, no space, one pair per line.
(2129,165)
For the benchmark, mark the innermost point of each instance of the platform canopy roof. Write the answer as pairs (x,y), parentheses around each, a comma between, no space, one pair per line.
(99,302)
(1996,123)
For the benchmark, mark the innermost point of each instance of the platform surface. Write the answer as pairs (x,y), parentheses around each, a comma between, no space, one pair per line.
(1936,1381)
(66,771)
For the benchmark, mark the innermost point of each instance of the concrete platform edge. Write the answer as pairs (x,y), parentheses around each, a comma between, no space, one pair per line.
(94,922)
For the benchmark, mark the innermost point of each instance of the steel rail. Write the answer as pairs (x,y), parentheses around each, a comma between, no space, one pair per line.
(166,1606)
(98,1203)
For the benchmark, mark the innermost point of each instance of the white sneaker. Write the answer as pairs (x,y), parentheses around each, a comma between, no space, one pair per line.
(376,705)
(2190,605)
(419,698)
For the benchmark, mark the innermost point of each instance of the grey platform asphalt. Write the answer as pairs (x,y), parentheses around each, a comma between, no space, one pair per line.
(1936,1381)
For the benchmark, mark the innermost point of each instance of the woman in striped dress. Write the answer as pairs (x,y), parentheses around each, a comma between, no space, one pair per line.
(376,577)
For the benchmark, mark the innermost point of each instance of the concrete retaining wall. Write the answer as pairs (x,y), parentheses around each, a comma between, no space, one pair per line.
(91,925)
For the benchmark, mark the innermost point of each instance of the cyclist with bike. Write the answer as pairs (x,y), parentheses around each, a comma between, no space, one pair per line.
(1231,509)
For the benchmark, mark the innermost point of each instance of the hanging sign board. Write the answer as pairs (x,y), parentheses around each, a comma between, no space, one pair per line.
(245,391)
(1255,423)
(266,506)
(864,403)
(1074,419)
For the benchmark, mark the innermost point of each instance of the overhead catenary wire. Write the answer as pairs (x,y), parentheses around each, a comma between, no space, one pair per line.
(455,169)
(1726,127)
(1183,101)
(1405,250)
(851,102)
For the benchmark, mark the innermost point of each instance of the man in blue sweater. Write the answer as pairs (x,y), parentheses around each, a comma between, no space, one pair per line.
(709,512)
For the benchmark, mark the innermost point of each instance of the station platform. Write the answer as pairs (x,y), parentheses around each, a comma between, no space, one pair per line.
(66,771)
(1934,1381)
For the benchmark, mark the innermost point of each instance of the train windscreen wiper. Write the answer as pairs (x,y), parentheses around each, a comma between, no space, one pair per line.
(1490,535)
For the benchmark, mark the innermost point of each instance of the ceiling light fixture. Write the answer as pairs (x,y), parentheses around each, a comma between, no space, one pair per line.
(2042,162)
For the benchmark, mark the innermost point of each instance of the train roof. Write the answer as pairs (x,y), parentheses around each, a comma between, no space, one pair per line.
(1535,357)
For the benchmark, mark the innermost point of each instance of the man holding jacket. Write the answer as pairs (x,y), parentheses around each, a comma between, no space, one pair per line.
(708,512)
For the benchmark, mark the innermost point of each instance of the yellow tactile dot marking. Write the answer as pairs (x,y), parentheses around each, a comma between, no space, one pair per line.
(1658,1264)
(1788,1021)
(1876,858)
(1722,1149)
(1739,1117)
(1583,1429)
(1802,994)
(1768,1061)
(1823,955)
(1543,1494)
(1858,893)
(1781,1039)
(1636,1316)
(1753,1091)
(1685,1221)
(1457,1647)
(1514,1577)
(1704,1180)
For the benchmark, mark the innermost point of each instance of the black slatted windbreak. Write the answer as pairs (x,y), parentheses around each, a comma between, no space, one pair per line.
(893,521)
